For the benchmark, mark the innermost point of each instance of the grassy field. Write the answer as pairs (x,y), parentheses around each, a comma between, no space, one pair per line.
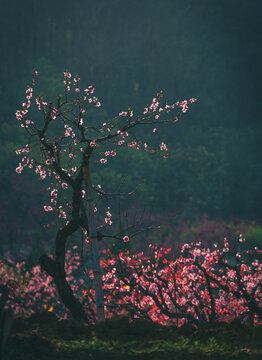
(42,337)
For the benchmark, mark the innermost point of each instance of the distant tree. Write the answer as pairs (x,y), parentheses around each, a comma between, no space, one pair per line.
(67,141)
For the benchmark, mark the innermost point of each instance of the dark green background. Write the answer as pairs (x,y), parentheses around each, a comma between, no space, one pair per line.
(130,50)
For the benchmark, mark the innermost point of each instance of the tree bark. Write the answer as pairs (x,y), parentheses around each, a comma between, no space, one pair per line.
(64,290)
(56,269)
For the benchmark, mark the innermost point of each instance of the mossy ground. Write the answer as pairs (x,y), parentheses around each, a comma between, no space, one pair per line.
(42,337)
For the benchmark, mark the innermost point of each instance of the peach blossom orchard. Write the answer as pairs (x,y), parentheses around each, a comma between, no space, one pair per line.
(202,285)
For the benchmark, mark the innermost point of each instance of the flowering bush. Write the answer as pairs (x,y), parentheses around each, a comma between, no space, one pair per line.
(200,286)
(35,291)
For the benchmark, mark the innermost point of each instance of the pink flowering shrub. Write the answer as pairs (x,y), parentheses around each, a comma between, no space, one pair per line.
(199,287)
(34,291)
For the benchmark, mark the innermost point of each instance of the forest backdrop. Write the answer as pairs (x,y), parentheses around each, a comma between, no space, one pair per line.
(130,50)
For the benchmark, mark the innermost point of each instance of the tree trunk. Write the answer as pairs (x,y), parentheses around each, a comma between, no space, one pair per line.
(56,269)
(92,234)
(59,276)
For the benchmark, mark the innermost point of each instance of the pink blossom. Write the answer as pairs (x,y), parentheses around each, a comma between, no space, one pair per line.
(108,221)
(19,169)
(54,193)
(48,208)
(93,144)
(163,146)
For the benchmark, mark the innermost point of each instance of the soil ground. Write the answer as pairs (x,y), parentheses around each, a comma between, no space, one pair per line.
(43,337)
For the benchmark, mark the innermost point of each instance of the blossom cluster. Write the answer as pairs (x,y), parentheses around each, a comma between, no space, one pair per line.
(199,286)
(34,291)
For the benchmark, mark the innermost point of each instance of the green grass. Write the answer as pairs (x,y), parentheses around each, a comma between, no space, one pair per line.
(43,337)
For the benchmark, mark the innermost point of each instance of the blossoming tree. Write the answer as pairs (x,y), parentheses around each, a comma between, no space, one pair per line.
(64,158)
(201,286)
